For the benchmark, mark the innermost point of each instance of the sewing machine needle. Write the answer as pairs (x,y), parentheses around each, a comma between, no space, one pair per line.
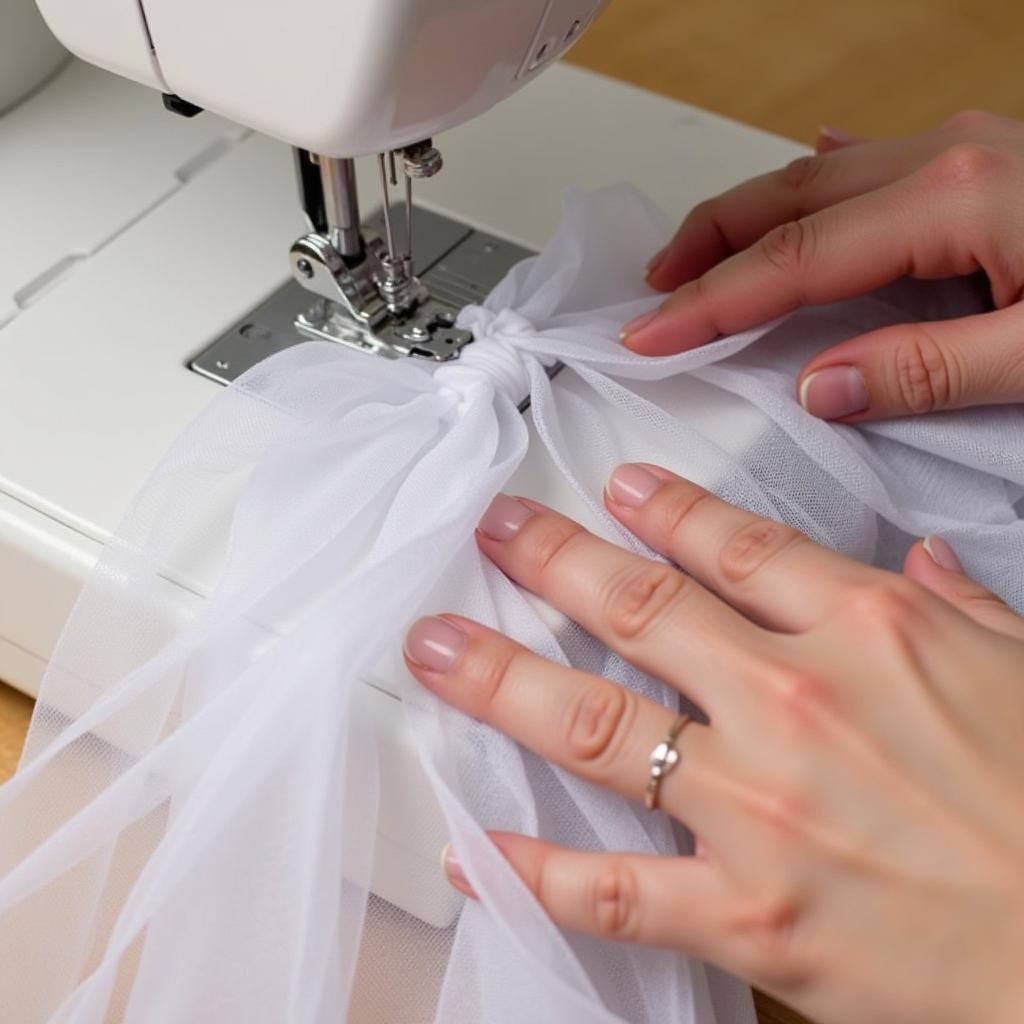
(388,230)
(408,223)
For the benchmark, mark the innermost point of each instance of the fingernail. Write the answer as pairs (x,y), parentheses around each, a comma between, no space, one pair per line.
(834,392)
(634,326)
(453,871)
(836,135)
(657,259)
(632,485)
(504,517)
(434,643)
(942,554)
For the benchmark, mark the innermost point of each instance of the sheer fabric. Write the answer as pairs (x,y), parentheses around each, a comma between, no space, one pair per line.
(192,832)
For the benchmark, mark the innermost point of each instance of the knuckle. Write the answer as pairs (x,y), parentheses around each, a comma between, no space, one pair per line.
(674,507)
(985,607)
(752,546)
(638,600)
(966,166)
(711,217)
(800,696)
(705,211)
(597,723)
(614,901)
(927,376)
(767,929)
(982,603)
(789,248)
(489,666)
(550,544)
(803,173)
(881,608)
(699,292)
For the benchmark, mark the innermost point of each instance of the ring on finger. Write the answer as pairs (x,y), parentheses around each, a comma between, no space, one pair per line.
(664,757)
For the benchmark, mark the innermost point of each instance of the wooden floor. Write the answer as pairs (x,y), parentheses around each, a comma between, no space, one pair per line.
(872,67)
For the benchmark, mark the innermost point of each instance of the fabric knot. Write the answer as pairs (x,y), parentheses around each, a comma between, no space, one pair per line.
(498,356)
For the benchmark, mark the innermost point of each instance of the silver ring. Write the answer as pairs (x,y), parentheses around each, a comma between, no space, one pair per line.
(664,757)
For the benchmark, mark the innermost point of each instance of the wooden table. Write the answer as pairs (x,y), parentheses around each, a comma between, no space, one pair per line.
(15,710)
(875,67)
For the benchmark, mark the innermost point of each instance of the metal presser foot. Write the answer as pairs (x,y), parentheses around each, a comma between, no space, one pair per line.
(352,285)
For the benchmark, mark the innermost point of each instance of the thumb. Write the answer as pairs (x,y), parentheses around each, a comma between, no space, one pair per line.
(917,368)
(934,564)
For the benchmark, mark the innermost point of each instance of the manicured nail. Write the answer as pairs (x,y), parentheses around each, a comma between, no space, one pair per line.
(504,517)
(836,135)
(834,392)
(657,259)
(631,485)
(634,326)
(453,872)
(434,643)
(942,554)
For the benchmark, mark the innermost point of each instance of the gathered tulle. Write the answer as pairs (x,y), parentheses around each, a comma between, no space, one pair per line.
(204,798)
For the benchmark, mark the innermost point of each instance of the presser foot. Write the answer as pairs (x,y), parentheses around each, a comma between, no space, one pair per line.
(458,266)
(428,331)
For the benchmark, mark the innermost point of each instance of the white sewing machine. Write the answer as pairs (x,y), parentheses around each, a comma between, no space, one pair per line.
(145,256)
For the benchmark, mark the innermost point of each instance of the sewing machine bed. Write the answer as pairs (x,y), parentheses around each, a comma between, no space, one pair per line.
(168,232)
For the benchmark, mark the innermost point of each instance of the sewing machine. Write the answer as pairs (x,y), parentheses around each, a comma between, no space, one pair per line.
(148,256)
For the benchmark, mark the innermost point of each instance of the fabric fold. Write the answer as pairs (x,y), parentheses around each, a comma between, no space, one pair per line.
(229,764)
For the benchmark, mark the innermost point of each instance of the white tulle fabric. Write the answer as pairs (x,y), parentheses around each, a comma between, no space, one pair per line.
(191,833)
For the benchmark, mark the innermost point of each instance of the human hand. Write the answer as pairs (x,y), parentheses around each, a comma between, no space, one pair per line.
(858,793)
(853,217)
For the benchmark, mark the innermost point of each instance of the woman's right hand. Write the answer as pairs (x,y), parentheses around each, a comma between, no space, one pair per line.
(853,217)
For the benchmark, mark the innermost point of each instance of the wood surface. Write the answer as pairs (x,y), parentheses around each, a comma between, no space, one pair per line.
(871,67)
(15,711)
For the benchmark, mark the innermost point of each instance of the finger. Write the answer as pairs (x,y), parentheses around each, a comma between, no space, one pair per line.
(933,563)
(650,613)
(849,249)
(678,902)
(830,139)
(588,725)
(916,368)
(731,222)
(767,570)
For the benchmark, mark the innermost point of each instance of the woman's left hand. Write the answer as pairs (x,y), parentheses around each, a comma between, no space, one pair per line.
(858,793)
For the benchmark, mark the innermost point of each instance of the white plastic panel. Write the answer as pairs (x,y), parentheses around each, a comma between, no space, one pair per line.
(79,161)
(344,77)
(563,23)
(93,384)
(29,53)
(109,33)
(43,564)
(108,346)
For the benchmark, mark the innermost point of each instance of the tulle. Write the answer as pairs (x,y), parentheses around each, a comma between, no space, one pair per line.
(208,793)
